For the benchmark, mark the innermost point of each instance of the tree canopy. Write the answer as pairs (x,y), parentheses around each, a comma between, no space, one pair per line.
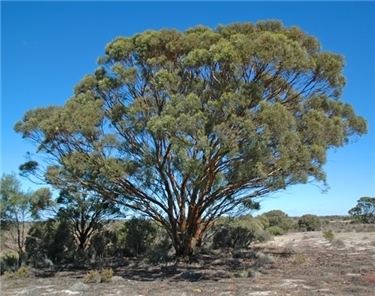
(18,207)
(187,126)
(364,211)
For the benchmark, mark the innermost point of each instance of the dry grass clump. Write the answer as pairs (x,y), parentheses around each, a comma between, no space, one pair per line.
(94,276)
(338,243)
(300,259)
(106,275)
(329,235)
(263,259)
(21,273)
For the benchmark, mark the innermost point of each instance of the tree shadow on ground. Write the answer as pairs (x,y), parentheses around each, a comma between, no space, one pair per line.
(211,267)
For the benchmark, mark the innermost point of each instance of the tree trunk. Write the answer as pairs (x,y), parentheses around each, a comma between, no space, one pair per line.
(187,240)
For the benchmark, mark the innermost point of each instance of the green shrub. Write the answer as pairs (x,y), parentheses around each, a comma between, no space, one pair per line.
(8,262)
(222,238)
(276,230)
(309,223)
(262,236)
(264,221)
(49,240)
(160,251)
(278,218)
(329,235)
(239,232)
(139,235)
(263,259)
(103,244)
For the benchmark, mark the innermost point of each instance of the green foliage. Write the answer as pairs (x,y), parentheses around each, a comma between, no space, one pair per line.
(276,230)
(277,218)
(160,250)
(364,211)
(263,259)
(139,234)
(50,240)
(309,223)
(104,243)
(197,123)
(329,235)
(159,253)
(8,262)
(239,233)
(264,221)
(17,207)
(85,212)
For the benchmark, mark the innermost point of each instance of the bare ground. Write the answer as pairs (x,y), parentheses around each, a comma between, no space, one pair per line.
(292,264)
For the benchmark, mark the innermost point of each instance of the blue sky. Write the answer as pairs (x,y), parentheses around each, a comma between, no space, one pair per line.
(46,48)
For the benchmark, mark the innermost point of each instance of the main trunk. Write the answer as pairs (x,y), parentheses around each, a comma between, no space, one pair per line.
(187,238)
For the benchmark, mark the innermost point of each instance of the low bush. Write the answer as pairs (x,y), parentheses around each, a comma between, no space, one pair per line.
(309,223)
(160,252)
(263,220)
(104,243)
(8,262)
(94,276)
(278,218)
(239,233)
(263,259)
(329,235)
(49,241)
(276,230)
(262,236)
(138,236)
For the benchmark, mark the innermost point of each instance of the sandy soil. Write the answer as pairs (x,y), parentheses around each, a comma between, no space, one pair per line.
(292,264)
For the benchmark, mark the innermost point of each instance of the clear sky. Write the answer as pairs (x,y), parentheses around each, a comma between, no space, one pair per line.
(46,48)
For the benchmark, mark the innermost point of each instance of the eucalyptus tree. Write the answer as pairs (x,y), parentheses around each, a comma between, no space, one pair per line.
(18,208)
(364,211)
(85,213)
(187,126)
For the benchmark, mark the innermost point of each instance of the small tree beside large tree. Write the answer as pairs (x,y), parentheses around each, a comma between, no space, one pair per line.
(18,208)
(85,213)
(187,126)
(364,211)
